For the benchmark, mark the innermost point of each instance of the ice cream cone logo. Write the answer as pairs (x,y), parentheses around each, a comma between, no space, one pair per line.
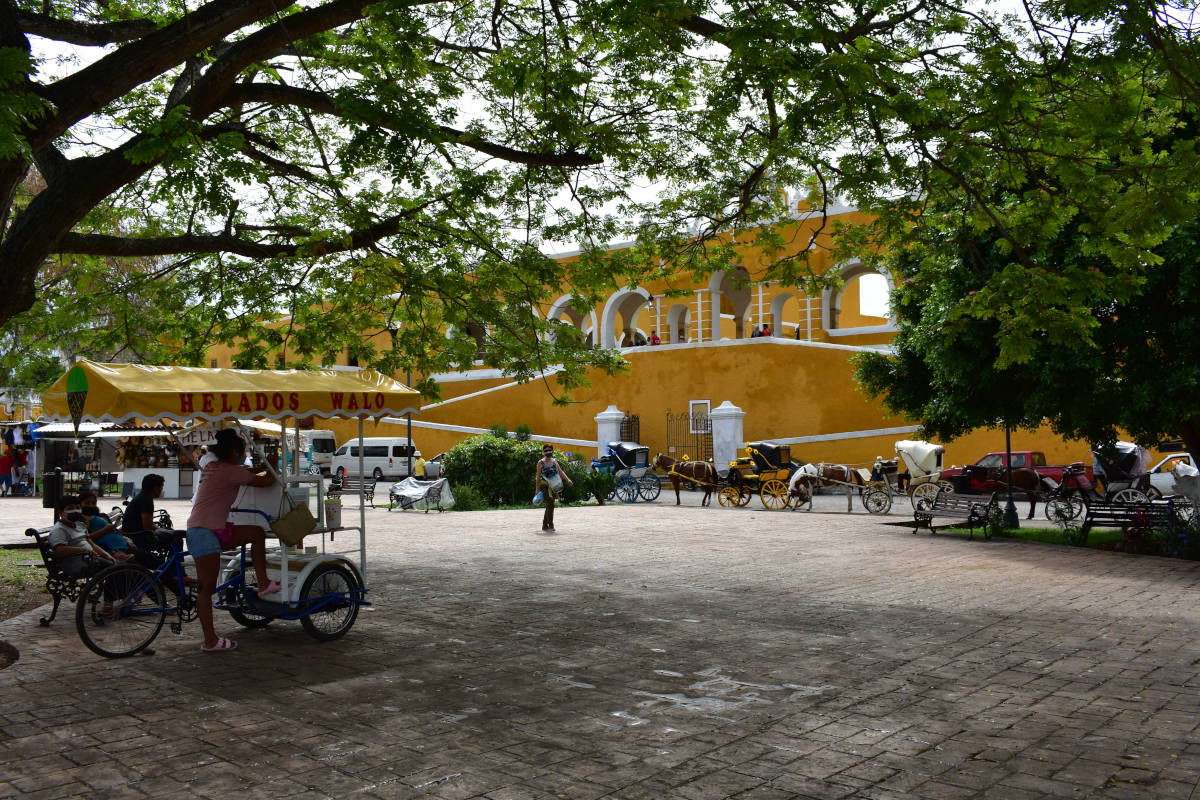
(77,390)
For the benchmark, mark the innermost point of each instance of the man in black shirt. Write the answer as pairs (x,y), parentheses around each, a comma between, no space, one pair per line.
(138,521)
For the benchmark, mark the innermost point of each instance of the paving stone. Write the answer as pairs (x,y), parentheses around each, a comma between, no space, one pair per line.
(648,652)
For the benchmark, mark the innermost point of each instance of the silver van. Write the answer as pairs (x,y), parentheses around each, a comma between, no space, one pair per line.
(383,457)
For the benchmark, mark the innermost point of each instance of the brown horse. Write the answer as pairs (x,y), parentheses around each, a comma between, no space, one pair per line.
(811,476)
(695,472)
(1024,480)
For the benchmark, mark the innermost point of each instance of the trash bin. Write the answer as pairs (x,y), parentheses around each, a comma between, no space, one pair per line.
(52,488)
(961,483)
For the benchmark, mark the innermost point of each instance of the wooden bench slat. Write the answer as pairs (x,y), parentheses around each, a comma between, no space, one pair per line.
(956,506)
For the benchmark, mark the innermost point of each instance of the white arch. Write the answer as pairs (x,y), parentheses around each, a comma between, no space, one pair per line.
(615,303)
(677,317)
(739,299)
(562,308)
(777,304)
(831,303)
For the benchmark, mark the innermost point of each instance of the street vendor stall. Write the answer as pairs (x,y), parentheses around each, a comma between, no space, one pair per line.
(324,589)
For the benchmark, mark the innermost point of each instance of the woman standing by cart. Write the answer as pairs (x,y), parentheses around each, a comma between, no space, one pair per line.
(549,477)
(209,531)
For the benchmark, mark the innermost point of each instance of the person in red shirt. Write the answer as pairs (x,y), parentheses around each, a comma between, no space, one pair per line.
(654,338)
(7,465)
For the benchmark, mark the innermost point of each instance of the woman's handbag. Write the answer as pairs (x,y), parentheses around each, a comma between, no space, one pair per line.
(294,523)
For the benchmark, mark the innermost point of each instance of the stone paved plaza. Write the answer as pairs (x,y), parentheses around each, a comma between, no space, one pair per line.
(648,651)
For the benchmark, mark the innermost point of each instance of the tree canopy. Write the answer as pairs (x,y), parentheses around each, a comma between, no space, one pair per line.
(1061,284)
(343,167)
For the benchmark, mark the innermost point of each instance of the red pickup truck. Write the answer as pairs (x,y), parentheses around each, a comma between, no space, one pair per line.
(987,473)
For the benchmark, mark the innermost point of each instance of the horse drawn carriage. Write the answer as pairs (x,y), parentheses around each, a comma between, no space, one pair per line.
(629,463)
(1126,479)
(767,471)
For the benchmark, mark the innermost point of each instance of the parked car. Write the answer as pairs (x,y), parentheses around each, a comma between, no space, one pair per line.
(1162,480)
(383,457)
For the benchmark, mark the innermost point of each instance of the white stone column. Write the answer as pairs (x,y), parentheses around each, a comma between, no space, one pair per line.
(727,434)
(608,428)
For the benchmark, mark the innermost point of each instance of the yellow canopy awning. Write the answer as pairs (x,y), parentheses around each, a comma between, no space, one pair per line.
(95,392)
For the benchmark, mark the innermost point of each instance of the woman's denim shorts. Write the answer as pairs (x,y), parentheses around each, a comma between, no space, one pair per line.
(202,542)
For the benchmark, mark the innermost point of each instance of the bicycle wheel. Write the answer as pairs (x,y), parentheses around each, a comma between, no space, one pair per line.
(877,501)
(120,611)
(649,487)
(626,489)
(326,591)
(239,609)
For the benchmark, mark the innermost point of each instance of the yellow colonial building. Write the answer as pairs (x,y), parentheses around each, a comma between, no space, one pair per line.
(794,386)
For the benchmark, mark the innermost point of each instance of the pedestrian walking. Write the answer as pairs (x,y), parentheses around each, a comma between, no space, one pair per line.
(548,477)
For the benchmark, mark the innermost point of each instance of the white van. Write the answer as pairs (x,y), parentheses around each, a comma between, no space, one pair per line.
(383,457)
(316,449)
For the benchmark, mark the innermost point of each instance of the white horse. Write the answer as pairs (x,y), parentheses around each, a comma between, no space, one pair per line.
(810,476)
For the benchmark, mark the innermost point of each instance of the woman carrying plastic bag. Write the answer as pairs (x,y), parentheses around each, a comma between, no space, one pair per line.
(549,477)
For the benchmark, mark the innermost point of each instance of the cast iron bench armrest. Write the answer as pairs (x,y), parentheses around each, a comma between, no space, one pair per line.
(949,505)
(58,583)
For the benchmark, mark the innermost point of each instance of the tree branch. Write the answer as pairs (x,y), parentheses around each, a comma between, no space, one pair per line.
(92,35)
(276,94)
(100,245)
(87,91)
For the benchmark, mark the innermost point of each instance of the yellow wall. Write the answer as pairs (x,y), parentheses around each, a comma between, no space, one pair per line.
(787,389)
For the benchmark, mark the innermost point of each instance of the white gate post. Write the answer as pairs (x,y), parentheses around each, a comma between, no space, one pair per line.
(608,428)
(727,434)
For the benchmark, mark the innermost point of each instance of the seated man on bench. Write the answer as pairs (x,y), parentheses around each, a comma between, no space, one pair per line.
(138,523)
(70,541)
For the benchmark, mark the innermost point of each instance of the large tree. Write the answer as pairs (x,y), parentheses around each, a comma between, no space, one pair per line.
(342,167)
(1042,252)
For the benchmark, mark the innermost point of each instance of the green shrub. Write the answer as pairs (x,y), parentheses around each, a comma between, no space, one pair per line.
(500,469)
(522,433)
(468,498)
(600,485)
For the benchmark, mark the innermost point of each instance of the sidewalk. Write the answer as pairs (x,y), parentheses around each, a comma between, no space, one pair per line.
(647,651)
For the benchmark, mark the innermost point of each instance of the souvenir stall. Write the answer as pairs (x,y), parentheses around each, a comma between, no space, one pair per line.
(86,463)
(18,442)
(144,451)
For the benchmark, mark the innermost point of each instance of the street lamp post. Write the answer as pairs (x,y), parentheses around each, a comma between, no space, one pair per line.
(1011,519)
(408,417)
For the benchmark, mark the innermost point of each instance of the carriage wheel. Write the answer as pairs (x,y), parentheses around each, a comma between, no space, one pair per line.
(1130,496)
(626,489)
(877,501)
(774,494)
(922,495)
(1061,510)
(945,486)
(649,487)
(744,496)
(728,497)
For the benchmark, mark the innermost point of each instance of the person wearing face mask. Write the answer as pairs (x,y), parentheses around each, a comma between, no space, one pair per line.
(69,540)
(105,534)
